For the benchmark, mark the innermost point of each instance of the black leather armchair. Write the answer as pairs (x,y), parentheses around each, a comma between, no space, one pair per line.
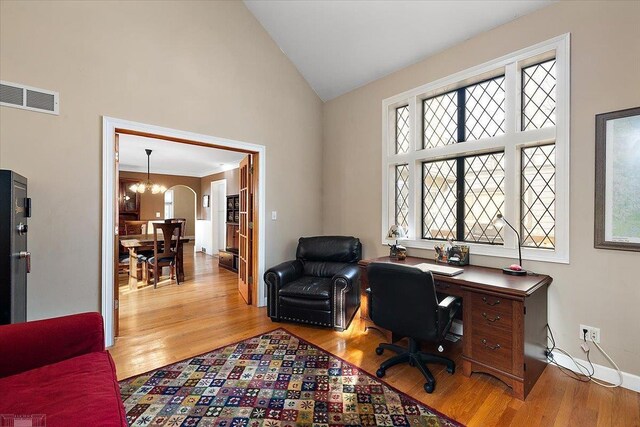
(403,300)
(321,286)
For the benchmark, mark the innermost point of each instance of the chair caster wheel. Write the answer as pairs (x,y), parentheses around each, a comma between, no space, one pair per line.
(451,369)
(429,388)
(379,351)
(380,373)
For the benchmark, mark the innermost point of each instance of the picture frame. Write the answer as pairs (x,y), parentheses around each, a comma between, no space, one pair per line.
(205,201)
(617,184)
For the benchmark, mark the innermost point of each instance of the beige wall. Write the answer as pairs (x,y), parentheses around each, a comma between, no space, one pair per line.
(233,187)
(204,67)
(152,203)
(184,206)
(599,287)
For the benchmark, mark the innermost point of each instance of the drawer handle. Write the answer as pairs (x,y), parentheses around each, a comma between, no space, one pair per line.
(496,302)
(492,347)
(489,318)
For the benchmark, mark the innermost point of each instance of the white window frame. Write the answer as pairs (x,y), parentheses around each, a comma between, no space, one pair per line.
(512,141)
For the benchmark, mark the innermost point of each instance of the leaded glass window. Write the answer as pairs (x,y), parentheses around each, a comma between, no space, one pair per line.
(483,197)
(440,120)
(539,95)
(538,195)
(439,201)
(484,109)
(402,129)
(402,196)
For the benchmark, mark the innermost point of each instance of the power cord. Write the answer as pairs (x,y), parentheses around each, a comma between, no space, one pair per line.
(584,374)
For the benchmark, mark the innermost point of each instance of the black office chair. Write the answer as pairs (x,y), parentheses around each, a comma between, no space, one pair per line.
(403,300)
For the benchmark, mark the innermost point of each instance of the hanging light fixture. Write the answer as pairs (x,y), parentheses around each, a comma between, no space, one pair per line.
(147,185)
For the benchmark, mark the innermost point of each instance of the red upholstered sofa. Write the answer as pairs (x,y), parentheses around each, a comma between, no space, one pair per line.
(59,368)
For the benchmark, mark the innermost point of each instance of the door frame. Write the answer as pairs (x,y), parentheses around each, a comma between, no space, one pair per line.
(112,125)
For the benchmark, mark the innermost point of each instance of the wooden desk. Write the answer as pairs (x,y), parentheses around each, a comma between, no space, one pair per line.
(144,242)
(504,321)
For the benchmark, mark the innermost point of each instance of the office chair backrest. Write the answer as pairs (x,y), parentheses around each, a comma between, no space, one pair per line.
(403,300)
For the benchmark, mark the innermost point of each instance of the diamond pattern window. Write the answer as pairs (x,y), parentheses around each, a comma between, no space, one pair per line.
(484,109)
(402,129)
(538,197)
(440,120)
(402,196)
(483,197)
(439,202)
(539,95)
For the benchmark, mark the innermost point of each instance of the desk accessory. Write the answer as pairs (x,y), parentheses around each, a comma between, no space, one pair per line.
(513,269)
(458,255)
(396,251)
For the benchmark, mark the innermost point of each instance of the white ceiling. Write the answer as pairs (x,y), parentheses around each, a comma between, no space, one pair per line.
(341,45)
(173,158)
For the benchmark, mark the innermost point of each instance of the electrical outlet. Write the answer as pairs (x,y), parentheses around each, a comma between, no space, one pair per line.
(593,334)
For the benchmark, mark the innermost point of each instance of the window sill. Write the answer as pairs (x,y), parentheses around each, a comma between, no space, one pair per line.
(529,254)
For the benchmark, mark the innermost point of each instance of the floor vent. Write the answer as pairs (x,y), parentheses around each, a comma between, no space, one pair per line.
(29,98)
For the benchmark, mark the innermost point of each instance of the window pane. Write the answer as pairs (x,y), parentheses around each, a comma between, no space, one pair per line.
(483,197)
(484,109)
(538,196)
(402,129)
(539,95)
(402,196)
(439,201)
(440,120)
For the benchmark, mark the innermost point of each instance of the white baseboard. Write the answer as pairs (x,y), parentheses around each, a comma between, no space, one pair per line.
(604,373)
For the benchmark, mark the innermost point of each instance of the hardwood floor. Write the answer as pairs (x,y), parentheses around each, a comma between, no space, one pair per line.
(171,323)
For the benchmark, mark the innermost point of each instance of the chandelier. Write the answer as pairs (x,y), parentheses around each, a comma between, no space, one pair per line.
(147,185)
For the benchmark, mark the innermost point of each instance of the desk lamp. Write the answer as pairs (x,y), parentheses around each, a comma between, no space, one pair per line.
(396,251)
(513,270)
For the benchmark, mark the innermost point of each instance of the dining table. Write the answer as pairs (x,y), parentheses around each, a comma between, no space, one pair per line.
(136,243)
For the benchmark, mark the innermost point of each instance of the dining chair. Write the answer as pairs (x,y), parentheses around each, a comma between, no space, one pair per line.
(166,252)
(181,221)
(135,227)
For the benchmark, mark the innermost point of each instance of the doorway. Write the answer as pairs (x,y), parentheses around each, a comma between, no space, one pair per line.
(112,127)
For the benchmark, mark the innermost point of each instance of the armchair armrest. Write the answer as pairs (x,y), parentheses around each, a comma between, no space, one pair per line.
(346,295)
(283,273)
(30,345)
(349,275)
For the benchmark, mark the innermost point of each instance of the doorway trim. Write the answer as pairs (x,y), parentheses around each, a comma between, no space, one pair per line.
(109,127)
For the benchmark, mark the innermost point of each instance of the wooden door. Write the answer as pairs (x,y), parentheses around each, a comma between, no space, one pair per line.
(116,250)
(245,266)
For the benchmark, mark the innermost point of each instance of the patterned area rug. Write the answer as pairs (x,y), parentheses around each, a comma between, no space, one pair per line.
(272,380)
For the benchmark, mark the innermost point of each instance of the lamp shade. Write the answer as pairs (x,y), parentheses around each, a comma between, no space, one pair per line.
(499,221)
(396,232)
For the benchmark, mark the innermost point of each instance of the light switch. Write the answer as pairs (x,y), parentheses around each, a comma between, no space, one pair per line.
(157,214)
(274,215)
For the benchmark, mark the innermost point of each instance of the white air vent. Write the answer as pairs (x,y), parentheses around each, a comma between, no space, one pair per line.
(29,98)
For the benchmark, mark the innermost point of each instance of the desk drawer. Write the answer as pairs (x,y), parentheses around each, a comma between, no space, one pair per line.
(497,305)
(492,346)
(489,319)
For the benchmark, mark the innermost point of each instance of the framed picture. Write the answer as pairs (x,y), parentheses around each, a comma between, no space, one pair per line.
(205,201)
(617,210)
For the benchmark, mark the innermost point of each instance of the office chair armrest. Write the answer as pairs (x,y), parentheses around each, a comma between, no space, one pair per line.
(446,303)
(283,273)
(447,309)
(349,276)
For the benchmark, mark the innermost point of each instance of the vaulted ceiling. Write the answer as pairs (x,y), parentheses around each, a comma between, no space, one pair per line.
(341,45)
